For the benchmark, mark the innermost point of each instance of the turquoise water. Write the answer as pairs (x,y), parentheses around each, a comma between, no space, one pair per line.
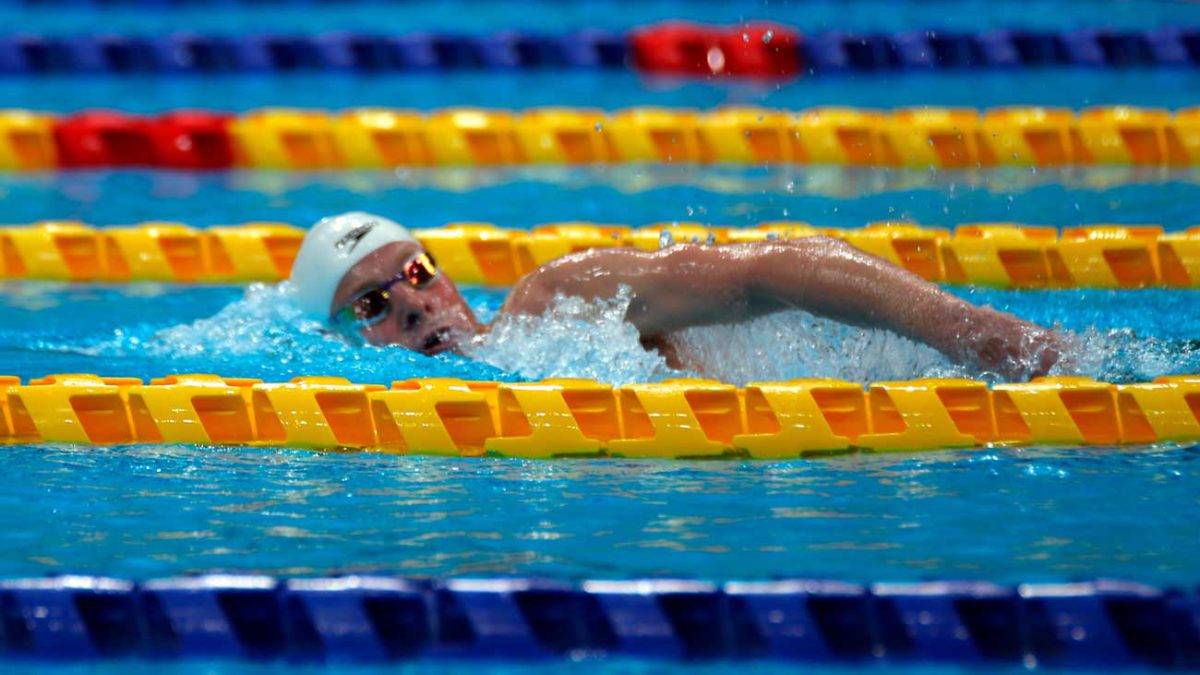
(474,16)
(629,666)
(634,195)
(1003,515)
(1008,516)
(1073,88)
(144,511)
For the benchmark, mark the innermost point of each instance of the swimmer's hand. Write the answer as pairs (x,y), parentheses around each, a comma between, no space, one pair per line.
(1010,348)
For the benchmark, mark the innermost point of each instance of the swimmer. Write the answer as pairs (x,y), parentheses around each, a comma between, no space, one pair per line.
(368,277)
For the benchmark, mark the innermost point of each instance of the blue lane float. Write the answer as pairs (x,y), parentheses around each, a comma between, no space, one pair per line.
(822,53)
(1001,49)
(360,618)
(342,51)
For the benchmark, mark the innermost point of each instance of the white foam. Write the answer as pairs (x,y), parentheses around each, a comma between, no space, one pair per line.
(795,344)
(574,338)
(577,338)
(1120,355)
(264,321)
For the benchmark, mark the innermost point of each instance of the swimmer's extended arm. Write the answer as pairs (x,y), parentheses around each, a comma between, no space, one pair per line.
(691,285)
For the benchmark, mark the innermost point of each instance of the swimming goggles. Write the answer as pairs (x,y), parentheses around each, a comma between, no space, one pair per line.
(372,305)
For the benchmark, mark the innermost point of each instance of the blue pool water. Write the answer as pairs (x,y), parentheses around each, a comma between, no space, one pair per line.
(1072,88)
(1004,515)
(633,195)
(475,16)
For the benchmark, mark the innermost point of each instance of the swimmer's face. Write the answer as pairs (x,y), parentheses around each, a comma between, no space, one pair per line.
(428,316)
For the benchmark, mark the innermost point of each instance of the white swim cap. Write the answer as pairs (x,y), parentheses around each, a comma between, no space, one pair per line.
(330,249)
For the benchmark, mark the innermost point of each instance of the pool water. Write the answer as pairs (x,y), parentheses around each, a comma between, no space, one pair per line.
(62,17)
(1002,515)
(1005,515)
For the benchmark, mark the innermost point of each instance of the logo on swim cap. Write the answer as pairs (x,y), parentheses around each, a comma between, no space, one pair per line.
(330,249)
(346,245)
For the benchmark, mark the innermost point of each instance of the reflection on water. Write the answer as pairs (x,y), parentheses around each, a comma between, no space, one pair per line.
(631,194)
(1000,514)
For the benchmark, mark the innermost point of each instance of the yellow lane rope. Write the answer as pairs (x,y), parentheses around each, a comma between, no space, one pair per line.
(555,418)
(1003,255)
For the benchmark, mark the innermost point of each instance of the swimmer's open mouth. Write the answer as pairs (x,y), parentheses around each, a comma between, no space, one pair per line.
(437,342)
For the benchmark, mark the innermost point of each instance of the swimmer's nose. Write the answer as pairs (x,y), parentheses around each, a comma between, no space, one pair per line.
(412,319)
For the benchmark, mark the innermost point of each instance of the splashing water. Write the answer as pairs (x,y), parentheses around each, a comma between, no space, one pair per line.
(264,335)
(264,321)
(574,338)
(795,344)
(1120,355)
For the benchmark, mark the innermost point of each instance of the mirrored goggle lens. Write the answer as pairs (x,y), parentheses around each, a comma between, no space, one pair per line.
(370,306)
(420,271)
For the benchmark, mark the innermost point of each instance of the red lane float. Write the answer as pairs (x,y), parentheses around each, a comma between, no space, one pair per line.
(177,140)
(193,140)
(752,50)
(103,138)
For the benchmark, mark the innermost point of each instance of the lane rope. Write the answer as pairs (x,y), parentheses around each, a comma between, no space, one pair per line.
(1004,255)
(675,48)
(923,137)
(684,418)
(1095,624)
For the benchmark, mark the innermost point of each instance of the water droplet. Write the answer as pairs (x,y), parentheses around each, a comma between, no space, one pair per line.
(745,37)
(599,126)
(767,37)
(665,239)
(715,59)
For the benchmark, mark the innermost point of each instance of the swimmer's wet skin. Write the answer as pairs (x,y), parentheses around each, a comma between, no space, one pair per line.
(367,276)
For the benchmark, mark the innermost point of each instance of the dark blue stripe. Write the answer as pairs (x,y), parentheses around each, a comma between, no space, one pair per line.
(1103,623)
(830,52)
